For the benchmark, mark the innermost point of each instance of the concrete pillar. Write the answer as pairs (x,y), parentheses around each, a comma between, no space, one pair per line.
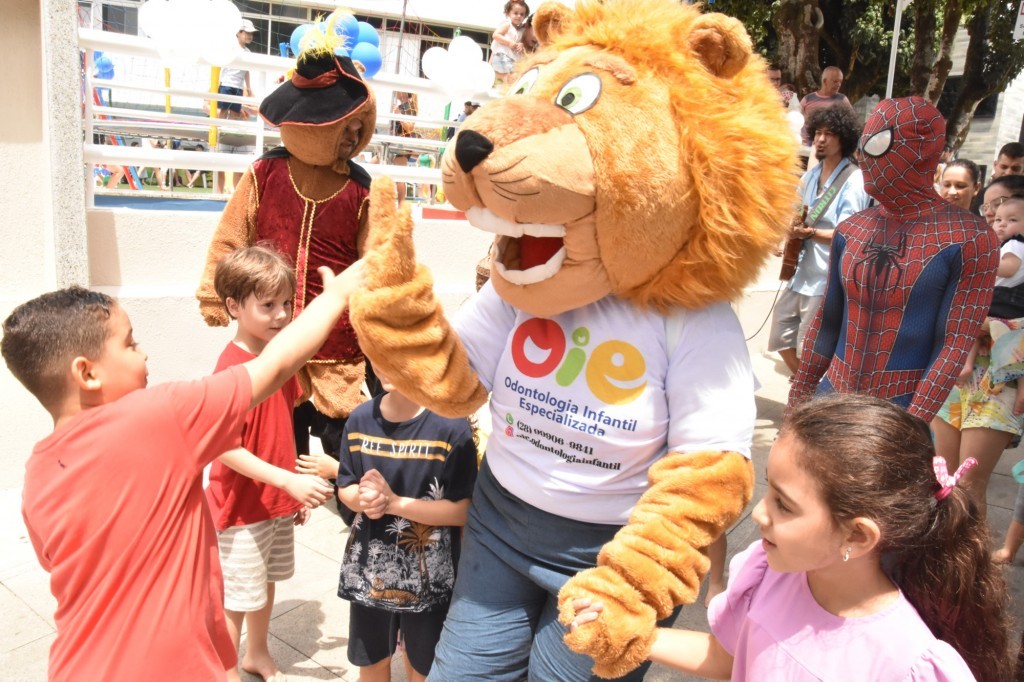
(63,129)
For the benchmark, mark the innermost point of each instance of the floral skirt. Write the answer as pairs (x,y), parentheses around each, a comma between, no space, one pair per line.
(984,402)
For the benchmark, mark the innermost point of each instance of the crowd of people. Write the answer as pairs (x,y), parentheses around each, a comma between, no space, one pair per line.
(972,418)
(873,523)
(978,418)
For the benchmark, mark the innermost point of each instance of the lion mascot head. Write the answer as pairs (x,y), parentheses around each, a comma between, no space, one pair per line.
(642,153)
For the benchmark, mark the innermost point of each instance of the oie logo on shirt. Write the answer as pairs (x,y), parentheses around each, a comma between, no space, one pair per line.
(611,372)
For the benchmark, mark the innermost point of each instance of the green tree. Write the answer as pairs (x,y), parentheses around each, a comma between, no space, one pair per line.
(993,59)
(804,36)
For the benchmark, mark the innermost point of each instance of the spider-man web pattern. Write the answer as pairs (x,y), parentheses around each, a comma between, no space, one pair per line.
(910,280)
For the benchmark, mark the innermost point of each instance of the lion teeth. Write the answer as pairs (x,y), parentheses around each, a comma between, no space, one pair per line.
(485,219)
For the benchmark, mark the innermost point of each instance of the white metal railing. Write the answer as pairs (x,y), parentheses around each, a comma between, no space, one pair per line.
(105,119)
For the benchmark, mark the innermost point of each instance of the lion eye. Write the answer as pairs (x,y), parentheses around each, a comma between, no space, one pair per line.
(525,82)
(579,94)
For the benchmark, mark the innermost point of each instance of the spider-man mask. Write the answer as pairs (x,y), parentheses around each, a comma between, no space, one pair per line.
(900,148)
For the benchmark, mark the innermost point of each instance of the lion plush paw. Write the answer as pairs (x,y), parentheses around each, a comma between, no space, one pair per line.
(621,638)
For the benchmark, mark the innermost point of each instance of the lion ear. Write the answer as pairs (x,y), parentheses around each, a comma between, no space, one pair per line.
(720,43)
(549,20)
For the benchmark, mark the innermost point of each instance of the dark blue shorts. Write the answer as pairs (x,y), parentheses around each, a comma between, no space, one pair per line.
(229,106)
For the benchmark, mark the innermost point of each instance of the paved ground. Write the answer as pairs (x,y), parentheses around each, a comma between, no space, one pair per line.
(310,623)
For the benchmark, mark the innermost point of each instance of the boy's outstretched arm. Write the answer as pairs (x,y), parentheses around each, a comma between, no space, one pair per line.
(308,490)
(296,343)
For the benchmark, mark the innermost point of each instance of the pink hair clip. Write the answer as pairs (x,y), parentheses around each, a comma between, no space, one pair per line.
(942,474)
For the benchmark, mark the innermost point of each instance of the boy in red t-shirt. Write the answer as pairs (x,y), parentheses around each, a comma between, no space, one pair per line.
(255,519)
(113,499)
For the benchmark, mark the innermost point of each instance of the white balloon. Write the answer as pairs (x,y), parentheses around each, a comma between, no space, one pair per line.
(457,86)
(152,17)
(189,24)
(465,49)
(482,77)
(179,55)
(221,50)
(220,23)
(225,16)
(435,62)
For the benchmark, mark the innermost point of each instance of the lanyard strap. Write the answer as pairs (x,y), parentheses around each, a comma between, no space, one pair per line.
(826,199)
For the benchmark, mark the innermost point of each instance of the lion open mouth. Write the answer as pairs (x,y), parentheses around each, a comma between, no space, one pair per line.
(526,252)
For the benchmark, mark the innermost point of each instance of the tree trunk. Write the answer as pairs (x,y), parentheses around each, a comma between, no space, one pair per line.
(795,24)
(925,23)
(973,84)
(944,59)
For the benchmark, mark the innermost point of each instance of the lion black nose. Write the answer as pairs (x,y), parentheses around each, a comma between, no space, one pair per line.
(471,148)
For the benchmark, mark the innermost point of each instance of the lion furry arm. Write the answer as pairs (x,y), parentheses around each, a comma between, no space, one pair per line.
(404,332)
(401,324)
(657,561)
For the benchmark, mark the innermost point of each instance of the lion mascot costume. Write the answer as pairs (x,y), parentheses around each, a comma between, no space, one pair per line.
(636,177)
(310,202)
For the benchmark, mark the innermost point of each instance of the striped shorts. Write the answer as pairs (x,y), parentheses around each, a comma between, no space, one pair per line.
(253,555)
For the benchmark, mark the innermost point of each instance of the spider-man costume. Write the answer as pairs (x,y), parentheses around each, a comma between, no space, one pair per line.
(910,279)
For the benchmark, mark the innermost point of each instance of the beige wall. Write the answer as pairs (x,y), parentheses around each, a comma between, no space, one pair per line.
(26,268)
(23,156)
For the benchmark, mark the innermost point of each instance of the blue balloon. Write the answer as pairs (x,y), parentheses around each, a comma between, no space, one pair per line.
(368,34)
(104,67)
(348,28)
(341,52)
(297,37)
(369,56)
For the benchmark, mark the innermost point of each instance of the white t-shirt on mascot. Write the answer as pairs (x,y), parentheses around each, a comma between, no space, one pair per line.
(580,402)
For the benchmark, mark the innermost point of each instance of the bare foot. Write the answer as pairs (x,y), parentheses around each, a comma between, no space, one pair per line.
(1002,556)
(714,589)
(263,666)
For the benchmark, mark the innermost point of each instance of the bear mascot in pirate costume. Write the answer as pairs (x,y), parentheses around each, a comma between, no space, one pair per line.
(309,201)
(636,177)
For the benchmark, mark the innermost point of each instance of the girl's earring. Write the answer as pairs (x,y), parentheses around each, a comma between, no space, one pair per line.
(846,554)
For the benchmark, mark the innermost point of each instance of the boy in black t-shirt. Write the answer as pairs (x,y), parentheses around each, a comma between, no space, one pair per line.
(408,474)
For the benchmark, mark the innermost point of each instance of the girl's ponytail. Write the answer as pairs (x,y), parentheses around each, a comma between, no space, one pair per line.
(872,459)
(948,575)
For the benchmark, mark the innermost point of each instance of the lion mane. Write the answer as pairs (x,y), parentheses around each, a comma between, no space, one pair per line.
(694,227)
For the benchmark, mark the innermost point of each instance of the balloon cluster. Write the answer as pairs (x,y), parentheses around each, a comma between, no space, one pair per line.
(359,40)
(186,31)
(460,70)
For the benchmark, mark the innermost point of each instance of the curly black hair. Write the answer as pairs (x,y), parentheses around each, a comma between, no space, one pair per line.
(841,120)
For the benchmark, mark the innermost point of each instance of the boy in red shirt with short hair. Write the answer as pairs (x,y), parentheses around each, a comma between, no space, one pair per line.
(113,499)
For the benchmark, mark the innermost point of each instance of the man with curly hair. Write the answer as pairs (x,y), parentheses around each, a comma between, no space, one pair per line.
(831,191)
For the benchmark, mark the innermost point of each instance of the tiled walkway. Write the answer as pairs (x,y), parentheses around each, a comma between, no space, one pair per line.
(309,627)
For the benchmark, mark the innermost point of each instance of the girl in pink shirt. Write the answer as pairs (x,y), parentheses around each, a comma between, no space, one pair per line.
(873,565)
